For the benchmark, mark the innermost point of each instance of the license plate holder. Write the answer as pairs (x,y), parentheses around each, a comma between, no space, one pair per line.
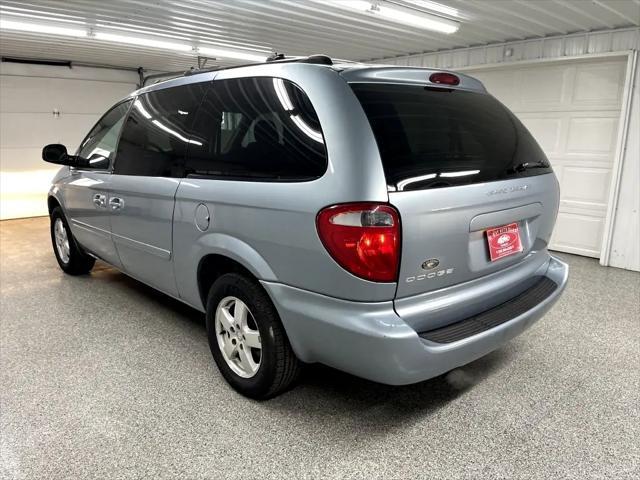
(504,241)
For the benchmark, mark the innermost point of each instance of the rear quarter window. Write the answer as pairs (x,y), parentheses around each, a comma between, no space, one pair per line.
(261,129)
(436,137)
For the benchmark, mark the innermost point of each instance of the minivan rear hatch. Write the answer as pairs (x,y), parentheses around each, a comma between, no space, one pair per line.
(475,192)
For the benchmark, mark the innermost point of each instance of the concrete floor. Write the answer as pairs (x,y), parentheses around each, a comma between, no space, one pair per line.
(103,377)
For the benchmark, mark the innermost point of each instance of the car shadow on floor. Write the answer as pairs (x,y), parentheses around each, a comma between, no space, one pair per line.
(130,285)
(323,391)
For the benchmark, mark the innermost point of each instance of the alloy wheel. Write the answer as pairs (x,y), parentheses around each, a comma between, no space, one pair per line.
(238,337)
(62,240)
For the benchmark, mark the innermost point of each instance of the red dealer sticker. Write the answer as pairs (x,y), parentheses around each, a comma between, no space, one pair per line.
(504,241)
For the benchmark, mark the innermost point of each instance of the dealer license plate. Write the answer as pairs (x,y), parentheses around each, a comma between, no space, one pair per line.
(504,241)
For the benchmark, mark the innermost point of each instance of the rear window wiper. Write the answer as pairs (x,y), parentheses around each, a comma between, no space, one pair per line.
(521,167)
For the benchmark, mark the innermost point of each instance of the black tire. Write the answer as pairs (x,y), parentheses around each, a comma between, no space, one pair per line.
(279,366)
(78,263)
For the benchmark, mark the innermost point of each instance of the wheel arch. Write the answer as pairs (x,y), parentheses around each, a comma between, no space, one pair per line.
(227,254)
(52,202)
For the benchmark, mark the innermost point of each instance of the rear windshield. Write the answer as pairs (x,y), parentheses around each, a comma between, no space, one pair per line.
(434,137)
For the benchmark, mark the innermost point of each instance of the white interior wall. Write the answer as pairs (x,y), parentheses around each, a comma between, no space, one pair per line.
(625,238)
(29,94)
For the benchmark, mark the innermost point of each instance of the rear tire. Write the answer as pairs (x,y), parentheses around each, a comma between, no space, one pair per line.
(70,257)
(254,357)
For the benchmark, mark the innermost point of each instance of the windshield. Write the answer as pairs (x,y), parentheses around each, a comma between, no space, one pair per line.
(437,137)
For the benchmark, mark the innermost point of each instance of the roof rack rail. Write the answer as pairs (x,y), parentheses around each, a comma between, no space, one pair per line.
(319,59)
(195,70)
(275,58)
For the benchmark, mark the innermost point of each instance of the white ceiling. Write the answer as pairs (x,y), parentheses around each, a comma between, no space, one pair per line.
(295,27)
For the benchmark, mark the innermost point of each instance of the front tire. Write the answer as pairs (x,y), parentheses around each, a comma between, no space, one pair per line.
(71,259)
(247,339)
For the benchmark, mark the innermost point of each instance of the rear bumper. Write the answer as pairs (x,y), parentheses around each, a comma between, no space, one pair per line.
(371,341)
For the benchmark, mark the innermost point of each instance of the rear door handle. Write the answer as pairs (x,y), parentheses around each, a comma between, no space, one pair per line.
(116,203)
(100,200)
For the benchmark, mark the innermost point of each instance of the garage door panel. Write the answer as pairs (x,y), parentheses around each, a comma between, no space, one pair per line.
(578,233)
(598,85)
(547,130)
(544,86)
(503,82)
(39,95)
(592,135)
(23,130)
(27,129)
(585,185)
(20,159)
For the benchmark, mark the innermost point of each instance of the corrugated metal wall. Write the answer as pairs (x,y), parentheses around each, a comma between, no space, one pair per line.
(543,48)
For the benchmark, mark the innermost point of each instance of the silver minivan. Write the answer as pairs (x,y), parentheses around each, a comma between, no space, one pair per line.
(390,222)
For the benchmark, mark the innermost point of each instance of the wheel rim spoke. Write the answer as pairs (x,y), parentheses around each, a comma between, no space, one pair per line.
(252,338)
(225,317)
(246,361)
(238,342)
(240,313)
(229,349)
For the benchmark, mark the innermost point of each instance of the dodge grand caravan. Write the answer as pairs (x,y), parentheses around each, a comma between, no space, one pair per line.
(389,222)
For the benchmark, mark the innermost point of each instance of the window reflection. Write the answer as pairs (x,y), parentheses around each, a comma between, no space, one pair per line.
(99,146)
(283,96)
(157,133)
(257,128)
(162,126)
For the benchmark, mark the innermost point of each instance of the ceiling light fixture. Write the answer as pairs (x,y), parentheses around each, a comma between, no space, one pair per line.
(159,43)
(435,7)
(40,28)
(399,14)
(143,42)
(235,54)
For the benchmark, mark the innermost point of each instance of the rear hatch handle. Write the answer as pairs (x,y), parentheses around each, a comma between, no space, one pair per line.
(503,217)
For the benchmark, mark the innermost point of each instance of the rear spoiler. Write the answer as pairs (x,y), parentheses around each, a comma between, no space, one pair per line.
(410,76)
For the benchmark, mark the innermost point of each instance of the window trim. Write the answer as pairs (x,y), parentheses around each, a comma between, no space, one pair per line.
(112,162)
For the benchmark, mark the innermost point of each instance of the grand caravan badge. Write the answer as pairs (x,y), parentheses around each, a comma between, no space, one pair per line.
(517,188)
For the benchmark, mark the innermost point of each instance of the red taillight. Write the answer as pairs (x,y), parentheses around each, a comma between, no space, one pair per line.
(364,238)
(444,78)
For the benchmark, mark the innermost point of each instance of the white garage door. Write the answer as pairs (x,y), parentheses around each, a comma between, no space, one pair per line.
(573,110)
(29,96)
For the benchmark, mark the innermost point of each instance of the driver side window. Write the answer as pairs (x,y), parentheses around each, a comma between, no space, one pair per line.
(100,145)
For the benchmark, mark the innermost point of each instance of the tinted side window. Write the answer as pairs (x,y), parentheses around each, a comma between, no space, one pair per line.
(100,145)
(157,132)
(257,128)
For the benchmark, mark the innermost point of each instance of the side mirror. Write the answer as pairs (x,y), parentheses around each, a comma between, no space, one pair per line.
(56,153)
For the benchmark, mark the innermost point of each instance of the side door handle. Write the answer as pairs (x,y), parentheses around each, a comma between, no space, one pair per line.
(100,200)
(116,203)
